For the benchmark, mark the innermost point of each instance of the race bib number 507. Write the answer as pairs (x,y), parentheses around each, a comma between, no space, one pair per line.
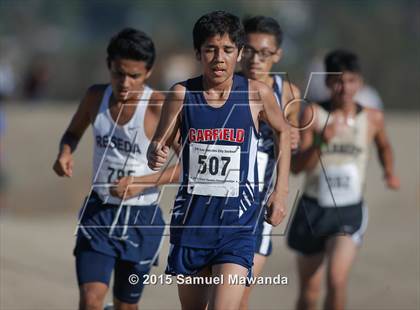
(214,170)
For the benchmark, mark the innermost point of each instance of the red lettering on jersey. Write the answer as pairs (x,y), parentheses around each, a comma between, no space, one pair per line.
(240,134)
(199,135)
(207,135)
(232,135)
(225,134)
(214,134)
(191,135)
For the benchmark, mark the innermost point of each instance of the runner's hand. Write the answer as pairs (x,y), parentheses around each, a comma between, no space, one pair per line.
(276,208)
(294,138)
(63,165)
(393,182)
(157,154)
(127,187)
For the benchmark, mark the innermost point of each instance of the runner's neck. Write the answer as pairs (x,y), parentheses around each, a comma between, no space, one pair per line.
(347,108)
(267,80)
(222,89)
(133,99)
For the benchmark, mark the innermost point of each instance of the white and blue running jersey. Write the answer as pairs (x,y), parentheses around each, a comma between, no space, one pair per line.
(129,229)
(266,166)
(218,197)
(120,150)
(266,151)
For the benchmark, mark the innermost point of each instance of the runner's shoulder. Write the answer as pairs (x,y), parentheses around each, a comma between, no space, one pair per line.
(156,101)
(291,90)
(177,92)
(157,96)
(375,116)
(93,98)
(95,93)
(258,90)
(310,112)
(313,106)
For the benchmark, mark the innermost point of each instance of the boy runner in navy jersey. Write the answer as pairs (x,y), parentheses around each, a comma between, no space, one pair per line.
(262,50)
(217,206)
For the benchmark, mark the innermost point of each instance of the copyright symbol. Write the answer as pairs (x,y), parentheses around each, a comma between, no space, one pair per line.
(133,279)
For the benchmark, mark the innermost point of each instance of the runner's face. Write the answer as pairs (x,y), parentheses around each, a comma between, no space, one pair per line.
(344,86)
(218,56)
(259,55)
(127,77)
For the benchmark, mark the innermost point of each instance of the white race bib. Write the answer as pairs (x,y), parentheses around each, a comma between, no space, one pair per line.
(113,170)
(214,170)
(343,185)
(262,160)
(109,172)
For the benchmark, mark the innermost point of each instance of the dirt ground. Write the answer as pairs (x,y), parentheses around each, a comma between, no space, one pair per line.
(38,220)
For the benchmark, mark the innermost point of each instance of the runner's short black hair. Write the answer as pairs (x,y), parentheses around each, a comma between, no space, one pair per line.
(342,60)
(133,44)
(264,24)
(218,23)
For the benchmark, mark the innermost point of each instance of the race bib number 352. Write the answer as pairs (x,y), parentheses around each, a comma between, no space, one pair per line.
(340,186)
(214,170)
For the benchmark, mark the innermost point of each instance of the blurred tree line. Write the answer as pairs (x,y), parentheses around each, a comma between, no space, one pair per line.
(56,49)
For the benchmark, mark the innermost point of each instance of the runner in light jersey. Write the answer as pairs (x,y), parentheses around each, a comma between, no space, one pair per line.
(120,225)
(331,217)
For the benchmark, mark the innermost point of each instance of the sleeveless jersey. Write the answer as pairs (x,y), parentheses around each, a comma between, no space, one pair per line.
(266,151)
(121,151)
(218,195)
(339,181)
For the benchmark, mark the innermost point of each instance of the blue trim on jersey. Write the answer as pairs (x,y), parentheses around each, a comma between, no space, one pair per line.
(277,90)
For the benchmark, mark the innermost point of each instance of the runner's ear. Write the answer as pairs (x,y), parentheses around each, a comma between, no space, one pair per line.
(277,56)
(148,74)
(197,55)
(238,59)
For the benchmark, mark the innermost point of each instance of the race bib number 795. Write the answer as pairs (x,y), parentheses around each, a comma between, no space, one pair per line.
(214,170)
(111,171)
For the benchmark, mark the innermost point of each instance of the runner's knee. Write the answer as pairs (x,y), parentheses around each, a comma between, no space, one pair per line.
(91,299)
(119,305)
(336,280)
(310,291)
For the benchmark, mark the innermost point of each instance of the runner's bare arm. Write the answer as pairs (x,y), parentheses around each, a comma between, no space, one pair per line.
(290,95)
(272,114)
(167,128)
(63,165)
(80,121)
(156,114)
(308,155)
(131,186)
(291,106)
(384,150)
(157,100)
